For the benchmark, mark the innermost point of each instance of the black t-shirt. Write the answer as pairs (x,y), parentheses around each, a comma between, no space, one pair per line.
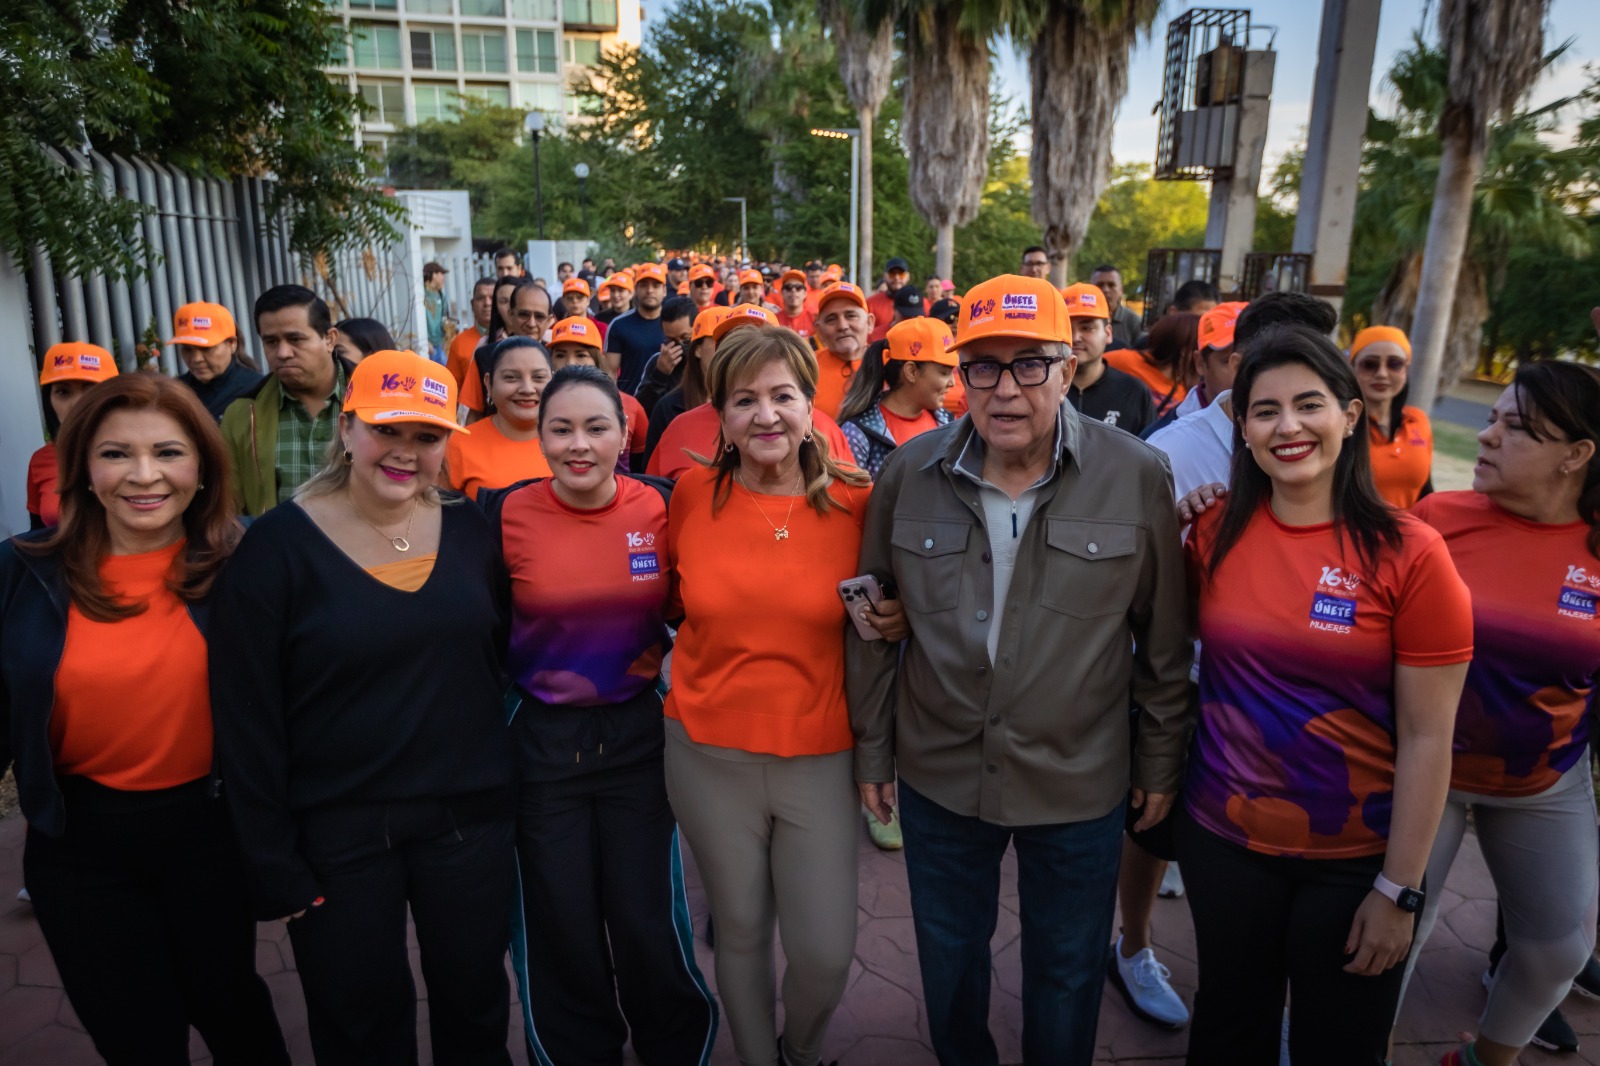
(635,339)
(1117,399)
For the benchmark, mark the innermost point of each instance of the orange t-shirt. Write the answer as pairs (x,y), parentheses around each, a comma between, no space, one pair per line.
(638,426)
(488,459)
(696,430)
(133,702)
(1401,467)
(459,361)
(42,497)
(803,323)
(833,381)
(759,660)
(1163,390)
(471,394)
(903,429)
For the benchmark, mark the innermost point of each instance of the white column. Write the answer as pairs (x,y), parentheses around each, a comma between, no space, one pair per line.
(1231,222)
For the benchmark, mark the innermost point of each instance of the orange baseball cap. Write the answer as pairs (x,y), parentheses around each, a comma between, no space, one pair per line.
(575,284)
(202,325)
(1216,325)
(1014,306)
(706,322)
(650,272)
(575,330)
(793,275)
(752,277)
(1086,301)
(922,340)
(700,270)
(391,387)
(618,281)
(843,289)
(77,361)
(835,269)
(742,315)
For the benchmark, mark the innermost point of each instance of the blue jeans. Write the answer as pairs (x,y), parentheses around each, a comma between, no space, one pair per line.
(1066,884)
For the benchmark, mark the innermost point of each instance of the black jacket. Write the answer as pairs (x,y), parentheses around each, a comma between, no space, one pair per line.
(33,637)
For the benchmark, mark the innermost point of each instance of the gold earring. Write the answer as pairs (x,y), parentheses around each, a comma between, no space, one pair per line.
(349,458)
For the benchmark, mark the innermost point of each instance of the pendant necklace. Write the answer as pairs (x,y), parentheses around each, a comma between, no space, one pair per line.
(399,544)
(779,533)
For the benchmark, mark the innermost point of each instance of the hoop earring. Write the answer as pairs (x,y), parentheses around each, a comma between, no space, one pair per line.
(727,449)
(807,438)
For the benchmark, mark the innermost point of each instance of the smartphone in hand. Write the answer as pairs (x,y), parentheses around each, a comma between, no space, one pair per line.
(859,593)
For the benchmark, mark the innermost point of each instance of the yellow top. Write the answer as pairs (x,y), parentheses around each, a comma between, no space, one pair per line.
(407,575)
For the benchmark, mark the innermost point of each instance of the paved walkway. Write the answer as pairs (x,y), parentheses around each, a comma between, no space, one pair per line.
(882,1020)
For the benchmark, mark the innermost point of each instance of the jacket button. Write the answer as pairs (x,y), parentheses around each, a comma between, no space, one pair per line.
(987,557)
(983,615)
(994,720)
(992,768)
(1093,547)
(928,543)
(983,671)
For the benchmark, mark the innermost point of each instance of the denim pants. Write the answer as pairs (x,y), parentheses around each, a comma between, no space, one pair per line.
(1066,886)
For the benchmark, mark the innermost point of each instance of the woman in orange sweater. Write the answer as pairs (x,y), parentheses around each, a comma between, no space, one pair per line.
(1401,437)
(758,756)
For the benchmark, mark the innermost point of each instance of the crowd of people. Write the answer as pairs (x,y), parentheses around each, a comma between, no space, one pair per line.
(746,556)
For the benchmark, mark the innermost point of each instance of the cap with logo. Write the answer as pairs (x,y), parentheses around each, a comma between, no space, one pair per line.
(575,285)
(706,321)
(751,277)
(742,315)
(1014,306)
(908,301)
(677,262)
(922,340)
(1086,301)
(392,387)
(792,275)
(896,263)
(202,325)
(576,330)
(699,271)
(1216,325)
(834,271)
(842,291)
(77,361)
(617,281)
(649,272)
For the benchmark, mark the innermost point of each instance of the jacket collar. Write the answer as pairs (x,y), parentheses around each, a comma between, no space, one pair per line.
(965,444)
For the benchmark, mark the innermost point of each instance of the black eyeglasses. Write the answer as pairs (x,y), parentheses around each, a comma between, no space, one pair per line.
(702,281)
(1036,262)
(1371,364)
(794,288)
(1030,371)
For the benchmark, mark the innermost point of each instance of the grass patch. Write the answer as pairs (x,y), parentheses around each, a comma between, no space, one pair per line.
(1458,442)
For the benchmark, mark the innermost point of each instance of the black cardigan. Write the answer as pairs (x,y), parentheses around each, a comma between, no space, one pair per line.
(329,687)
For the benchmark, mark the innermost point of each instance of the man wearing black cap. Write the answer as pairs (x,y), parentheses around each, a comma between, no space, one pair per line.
(677,274)
(896,276)
(908,303)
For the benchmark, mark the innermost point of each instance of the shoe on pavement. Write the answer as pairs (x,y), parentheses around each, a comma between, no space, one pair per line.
(1587,983)
(1146,988)
(1171,883)
(886,837)
(1556,1035)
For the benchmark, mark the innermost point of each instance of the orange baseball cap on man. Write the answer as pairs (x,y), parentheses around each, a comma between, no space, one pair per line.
(391,387)
(922,340)
(843,290)
(1216,325)
(706,322)
(650,272)
(577,330)
(699,271)
(575,284)
(1086,301)
(618,281)
(202,325)
(752,277)
(77,361)
(1014,306)
(743,315)
(792,275)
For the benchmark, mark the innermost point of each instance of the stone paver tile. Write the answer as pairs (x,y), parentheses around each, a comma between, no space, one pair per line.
(27,1011)
(37,968)
(8,973)
(53,1044)
(887,947)
(875,1008)
(886,1051)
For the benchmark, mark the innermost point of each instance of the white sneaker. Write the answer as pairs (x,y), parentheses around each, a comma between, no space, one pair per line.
(1171,883)
(1145,987)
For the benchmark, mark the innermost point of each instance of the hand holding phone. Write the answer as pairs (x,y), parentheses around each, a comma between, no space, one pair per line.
(859,594)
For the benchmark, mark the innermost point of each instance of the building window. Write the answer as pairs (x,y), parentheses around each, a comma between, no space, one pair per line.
(534,10)
(574,105)
(536,51)
(589,12)
(583,51)
(376,46)
(499,95)
(434,102)
(483,53)
(386,101)
(433,50)
(540,96)
(373,5)
(493,9)
(431,7)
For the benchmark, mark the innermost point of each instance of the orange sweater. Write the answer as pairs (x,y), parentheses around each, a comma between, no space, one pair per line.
(759,662)
(1401,467)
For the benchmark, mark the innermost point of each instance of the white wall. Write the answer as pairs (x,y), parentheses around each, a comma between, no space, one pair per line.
(21,419)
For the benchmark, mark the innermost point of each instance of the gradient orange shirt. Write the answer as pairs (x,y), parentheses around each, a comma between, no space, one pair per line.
(488,459)
(133,701)
(697,430)
(1163,390)
(1401,467)
(759,661)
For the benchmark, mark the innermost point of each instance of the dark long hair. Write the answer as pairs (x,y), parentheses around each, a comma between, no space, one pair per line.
(369,334)
(82,539)
(1554,397)
(693,382)
(495,352)
(875,374)
(574,374)
(1173,341)
(1359,513)
(497,324)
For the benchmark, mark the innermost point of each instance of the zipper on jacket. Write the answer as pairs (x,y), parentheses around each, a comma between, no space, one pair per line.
(1013,519)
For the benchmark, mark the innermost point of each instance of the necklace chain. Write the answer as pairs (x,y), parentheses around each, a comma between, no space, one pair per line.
(399,544)
(779,533)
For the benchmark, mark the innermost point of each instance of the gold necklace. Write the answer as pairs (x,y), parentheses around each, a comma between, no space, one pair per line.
(399,544)
(779,533)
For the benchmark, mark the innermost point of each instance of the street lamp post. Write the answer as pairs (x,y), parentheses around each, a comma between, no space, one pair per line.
(582,171)
(534,124)
(854,136)
(744,242)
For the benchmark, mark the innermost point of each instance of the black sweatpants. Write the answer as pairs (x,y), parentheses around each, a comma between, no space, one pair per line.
(1266,926)
(452,862)
(607,947)
(145,907)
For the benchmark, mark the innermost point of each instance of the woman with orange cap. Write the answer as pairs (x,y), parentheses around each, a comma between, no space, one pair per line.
(70,370)
(899,391)
(361,734)
(504,447)
(1401,436)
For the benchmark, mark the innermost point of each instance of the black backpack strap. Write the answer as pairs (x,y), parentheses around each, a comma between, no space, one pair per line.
(663,485)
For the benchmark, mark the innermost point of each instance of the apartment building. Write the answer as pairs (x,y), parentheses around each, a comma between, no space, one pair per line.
(410,58)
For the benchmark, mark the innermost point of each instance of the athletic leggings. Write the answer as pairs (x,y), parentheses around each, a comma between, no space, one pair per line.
(1542,853)
(774,838)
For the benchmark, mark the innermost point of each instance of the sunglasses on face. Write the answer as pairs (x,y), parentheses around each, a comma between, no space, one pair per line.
(1036,262)
(702,282)
(794,288)
(1371,364)
(1030,371)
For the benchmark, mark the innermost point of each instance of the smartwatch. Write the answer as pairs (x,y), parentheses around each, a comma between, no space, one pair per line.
(1407,899)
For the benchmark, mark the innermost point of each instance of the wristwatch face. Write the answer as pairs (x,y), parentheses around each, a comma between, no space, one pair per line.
(1410,900)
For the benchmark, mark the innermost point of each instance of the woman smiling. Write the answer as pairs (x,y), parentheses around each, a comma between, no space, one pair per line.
(504,448)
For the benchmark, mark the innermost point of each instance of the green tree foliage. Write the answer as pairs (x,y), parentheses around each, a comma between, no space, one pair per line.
(1136,213)
(226,88)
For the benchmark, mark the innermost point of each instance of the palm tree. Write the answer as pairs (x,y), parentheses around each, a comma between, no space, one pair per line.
(1079,67)
(1494,48)
(947,116)
(863,38)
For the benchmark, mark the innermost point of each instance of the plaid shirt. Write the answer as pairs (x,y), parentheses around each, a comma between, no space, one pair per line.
(302,445)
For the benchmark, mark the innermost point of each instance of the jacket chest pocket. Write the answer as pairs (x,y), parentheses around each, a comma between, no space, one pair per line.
(1091,568)
(927,563)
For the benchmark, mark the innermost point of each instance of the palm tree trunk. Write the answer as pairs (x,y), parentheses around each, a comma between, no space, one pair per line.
(864,120)
(945,255)
(1448,227)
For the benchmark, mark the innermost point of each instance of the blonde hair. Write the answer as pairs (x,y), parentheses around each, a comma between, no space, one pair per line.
(740,356)
(335,473)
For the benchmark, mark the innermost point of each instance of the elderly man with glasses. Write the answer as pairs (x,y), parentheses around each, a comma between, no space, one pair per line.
(1038,559)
